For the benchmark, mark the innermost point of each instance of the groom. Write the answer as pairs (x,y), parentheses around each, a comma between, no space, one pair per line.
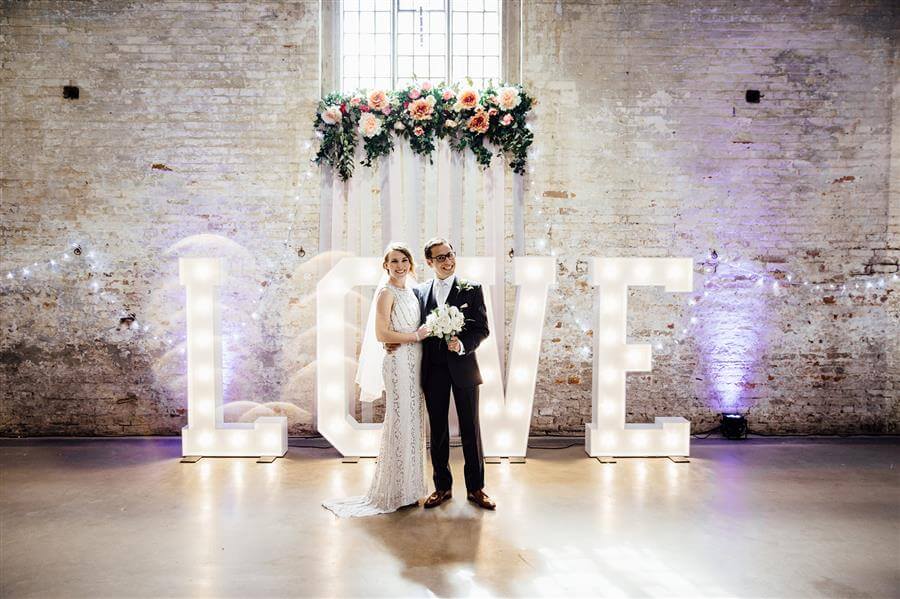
(452,365)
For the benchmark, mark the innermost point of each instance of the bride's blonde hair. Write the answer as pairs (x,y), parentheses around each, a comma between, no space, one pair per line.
(396,246)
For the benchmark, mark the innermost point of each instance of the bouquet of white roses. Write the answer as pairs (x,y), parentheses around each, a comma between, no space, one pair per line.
(445,321)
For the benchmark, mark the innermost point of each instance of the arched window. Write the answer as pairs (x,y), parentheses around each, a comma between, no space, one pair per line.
(388,43)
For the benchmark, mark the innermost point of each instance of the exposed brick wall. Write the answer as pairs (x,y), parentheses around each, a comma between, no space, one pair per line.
(193,121)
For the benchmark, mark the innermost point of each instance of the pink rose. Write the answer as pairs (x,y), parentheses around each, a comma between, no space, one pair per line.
(414,93)
(364,108)
(427,86)
(386,110)
(493,112)
(448,94)
(354,101)
(418,131)
(507,119)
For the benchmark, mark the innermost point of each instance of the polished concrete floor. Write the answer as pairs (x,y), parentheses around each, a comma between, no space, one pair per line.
(773,518)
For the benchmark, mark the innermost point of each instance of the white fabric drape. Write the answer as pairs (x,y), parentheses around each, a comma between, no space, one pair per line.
(417,199)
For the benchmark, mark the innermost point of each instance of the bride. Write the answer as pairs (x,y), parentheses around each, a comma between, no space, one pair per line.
(400,472)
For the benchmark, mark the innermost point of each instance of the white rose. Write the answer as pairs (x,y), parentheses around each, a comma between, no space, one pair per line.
(332,115)
(508,98)
(399,126)
(369,125)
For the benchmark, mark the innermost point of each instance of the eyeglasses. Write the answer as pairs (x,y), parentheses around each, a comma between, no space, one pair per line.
(443,257)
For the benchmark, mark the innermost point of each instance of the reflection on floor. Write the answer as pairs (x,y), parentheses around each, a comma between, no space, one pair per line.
(774,518)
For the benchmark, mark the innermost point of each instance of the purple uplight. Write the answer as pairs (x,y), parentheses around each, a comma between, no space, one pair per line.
(730,338)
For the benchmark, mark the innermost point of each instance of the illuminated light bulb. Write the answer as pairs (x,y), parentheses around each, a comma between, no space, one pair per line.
(525,339)
(202,272)
(254,316)
(608,337)
(633,356)
(203,304)
(759,282)
(693,320)
(9,275)
(608,304)
(52,262)
(659,346)
(25,272)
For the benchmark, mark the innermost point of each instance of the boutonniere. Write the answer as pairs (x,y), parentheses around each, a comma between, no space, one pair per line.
(463,285)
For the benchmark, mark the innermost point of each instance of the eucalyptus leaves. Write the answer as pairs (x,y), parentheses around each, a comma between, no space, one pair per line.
(421,114)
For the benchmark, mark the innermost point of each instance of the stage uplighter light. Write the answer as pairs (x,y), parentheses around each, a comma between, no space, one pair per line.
(734,426)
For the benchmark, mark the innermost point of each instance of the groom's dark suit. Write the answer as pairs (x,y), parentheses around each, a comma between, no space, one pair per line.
(443,370)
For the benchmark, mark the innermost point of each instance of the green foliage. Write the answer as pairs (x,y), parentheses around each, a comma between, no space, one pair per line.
(422,114)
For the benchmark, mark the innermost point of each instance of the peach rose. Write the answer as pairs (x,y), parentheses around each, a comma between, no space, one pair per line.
(421,109)
(478,122)
(369,125)
(332,115)
(450,123)
(507,119)
(418,131)
(378,100)
(509,98)
(467,99)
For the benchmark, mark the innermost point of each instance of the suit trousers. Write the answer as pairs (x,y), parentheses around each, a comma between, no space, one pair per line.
(437,400)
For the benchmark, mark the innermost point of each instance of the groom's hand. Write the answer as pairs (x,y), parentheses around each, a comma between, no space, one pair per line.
(391,347)
(453,345)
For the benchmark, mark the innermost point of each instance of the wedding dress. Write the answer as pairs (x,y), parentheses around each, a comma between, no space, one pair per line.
(400,472)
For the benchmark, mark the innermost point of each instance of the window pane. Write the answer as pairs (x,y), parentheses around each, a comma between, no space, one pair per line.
(351,44)
(437,67)
(351,22)
(475,67)
(420,67)
(404,66)
(438,44)
(383,22)
(492,67)
(476,22)
(460,44)
(366,43)
(491,45)
(384,5)
(460,22)
(475,44)
(405,22)
(437,22)
(405,44)
(351,66)
(383,44)
(367,22)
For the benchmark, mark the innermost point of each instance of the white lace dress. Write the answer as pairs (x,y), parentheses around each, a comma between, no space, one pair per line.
(400,472)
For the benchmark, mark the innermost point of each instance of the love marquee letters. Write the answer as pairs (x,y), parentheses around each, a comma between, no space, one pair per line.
(505,410)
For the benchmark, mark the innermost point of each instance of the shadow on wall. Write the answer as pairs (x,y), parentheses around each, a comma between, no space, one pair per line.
(267,327)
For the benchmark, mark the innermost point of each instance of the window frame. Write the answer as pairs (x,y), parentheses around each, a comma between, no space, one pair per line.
(330,56)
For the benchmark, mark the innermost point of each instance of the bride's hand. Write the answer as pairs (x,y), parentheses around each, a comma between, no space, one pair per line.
(422,332)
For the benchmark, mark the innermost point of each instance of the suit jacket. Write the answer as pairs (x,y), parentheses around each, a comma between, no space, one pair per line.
(463,369)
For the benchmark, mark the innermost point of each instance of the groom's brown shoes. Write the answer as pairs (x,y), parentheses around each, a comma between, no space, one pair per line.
(437,498)
(480,499)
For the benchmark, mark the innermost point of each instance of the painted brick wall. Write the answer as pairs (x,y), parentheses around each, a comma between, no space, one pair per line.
(192,134)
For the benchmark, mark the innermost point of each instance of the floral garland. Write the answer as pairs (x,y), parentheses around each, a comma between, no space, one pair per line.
(422,113)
